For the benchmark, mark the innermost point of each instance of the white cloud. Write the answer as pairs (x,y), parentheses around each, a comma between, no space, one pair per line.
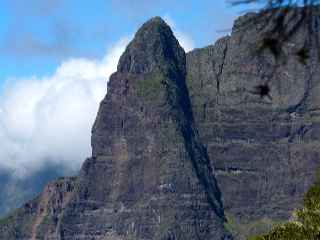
(185,41)
(48,119)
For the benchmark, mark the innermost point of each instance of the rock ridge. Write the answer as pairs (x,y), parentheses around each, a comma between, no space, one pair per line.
(153,192)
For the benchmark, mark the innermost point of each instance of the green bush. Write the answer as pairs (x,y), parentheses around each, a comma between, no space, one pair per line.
(306,223)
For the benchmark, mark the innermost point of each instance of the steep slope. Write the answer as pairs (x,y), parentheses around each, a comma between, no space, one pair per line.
(265,148)
(39,217)
(149,176)
(16,191)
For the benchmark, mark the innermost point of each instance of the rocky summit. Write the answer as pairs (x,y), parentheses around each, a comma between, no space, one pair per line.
(217,144)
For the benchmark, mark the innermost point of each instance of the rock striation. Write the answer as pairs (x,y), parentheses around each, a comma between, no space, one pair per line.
(219,143)
(264,148)
(149,176)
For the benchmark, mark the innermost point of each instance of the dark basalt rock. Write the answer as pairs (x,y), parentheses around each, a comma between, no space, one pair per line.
(225,138)
(154,46)
(265,147)
(150,176)
(40,218)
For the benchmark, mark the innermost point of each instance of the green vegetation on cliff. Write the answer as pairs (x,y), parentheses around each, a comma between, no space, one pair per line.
(306,222)
(240,230)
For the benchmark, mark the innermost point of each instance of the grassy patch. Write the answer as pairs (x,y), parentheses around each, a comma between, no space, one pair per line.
(306,222)
(246,230)
(150,86)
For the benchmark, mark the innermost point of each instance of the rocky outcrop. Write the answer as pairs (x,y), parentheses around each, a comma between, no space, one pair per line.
(149,176)
(16,191)
(191,146)
(40,218)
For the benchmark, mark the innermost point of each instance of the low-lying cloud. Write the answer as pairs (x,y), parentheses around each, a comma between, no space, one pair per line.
(47,120)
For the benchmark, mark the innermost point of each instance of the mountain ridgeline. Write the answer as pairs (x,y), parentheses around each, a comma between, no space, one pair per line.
(220,143)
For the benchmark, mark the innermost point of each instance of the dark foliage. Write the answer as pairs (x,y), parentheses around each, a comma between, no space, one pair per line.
(286,17)
(263,90)
(306,222)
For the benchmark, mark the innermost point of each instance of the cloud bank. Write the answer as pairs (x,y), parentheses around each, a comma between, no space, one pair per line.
(47,120)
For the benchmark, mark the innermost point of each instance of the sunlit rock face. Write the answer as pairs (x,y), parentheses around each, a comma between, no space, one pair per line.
(222,140)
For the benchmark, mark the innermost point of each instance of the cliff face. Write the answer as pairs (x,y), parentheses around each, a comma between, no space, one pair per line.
(264,147)
(189,146)
(149,176)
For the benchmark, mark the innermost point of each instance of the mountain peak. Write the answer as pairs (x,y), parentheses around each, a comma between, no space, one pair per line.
(156,20)
(154,46)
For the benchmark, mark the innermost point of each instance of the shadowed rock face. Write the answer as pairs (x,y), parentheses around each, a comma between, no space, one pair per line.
(182,143)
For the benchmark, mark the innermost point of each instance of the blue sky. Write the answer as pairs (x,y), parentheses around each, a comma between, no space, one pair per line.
(36,35)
